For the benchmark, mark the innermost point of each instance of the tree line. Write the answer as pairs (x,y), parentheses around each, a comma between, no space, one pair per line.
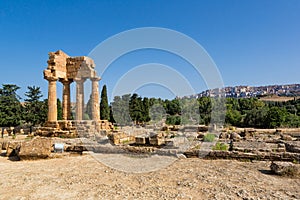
(133,109)
(240,112)
(32,111)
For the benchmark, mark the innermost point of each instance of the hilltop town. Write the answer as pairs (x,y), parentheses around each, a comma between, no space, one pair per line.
(289,90)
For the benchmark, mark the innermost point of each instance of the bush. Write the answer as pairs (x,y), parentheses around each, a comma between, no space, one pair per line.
(173,120)
(220,146)
(209,137)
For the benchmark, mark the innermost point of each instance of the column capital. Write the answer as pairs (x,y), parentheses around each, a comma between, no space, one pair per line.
(51,78)
(65,81)
(79,80)
(97,78)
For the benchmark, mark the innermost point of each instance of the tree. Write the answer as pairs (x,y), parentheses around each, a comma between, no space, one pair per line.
(145,111)
(35,112)
(88,110)
(292,120)
(157,113)
(256,118)
(172,107)
(59,110)
(104,107)
(249,104)
(218,112)
(205,108)
(189,111)
(111,117)
(233,117)
(33,94)
(120,110)
(10,106)
(44,110)
(276,117)
(136,108)
(173,120)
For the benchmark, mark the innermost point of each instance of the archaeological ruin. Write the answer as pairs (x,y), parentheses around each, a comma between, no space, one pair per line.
(73,134)
(66,70)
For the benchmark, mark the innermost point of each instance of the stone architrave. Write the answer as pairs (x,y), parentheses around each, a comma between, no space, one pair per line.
(95,98)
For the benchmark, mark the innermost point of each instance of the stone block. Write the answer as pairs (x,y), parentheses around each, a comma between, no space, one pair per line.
(13,148)
(156,141)
(38,147)
(293,146)
(285,168)
(253,146)
(140,140)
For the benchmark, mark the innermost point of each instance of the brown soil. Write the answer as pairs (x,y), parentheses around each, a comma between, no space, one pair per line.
(83,177)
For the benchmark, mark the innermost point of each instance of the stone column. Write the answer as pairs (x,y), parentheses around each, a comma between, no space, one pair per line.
(95,98)
(52,100)
(79,98)
(66,103)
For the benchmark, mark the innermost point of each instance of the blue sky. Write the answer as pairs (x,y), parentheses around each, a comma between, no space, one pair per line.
(251,42)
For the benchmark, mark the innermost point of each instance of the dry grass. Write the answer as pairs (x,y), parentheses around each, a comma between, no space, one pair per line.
(277,98)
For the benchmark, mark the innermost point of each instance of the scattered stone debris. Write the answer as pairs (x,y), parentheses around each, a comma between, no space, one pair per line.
(243,144)
(285,169)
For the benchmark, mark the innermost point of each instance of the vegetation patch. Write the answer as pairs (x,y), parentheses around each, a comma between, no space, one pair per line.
(220,146)
(209,137)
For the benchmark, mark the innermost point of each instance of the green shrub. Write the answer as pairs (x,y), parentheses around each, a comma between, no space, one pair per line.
(209,137)
(220,146)
(198,146)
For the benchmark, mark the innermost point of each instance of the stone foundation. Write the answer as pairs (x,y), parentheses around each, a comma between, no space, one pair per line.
(74,128)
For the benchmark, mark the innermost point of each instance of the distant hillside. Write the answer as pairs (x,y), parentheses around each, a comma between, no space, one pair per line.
(290,90)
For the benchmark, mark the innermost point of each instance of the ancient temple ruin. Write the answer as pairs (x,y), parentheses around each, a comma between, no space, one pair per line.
(66,70)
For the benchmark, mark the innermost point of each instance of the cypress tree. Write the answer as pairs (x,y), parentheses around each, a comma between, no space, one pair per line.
(59,110)
(146,108)
(104,107)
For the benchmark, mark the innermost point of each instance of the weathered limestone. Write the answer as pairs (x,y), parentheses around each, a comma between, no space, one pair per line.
(293,146)
(66,103)
(38,147)
(13,148)
(66,70)
(118,137)
(79,98)
(95,98)
(52,100)
(285,168)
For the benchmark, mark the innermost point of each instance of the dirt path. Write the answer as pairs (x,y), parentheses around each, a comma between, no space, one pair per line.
(83,177)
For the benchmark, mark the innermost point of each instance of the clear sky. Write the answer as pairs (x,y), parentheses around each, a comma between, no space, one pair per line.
(251,42)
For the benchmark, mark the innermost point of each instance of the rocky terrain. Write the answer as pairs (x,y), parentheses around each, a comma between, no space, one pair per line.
(84,177)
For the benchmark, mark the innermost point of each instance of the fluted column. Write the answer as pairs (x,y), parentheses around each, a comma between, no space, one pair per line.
(79,98)
(52,100)
(95,98)
(66,103)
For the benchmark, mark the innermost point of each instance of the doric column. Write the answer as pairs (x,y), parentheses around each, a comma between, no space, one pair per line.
(95,98)
(52,100)
(79,98)
(66,103)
